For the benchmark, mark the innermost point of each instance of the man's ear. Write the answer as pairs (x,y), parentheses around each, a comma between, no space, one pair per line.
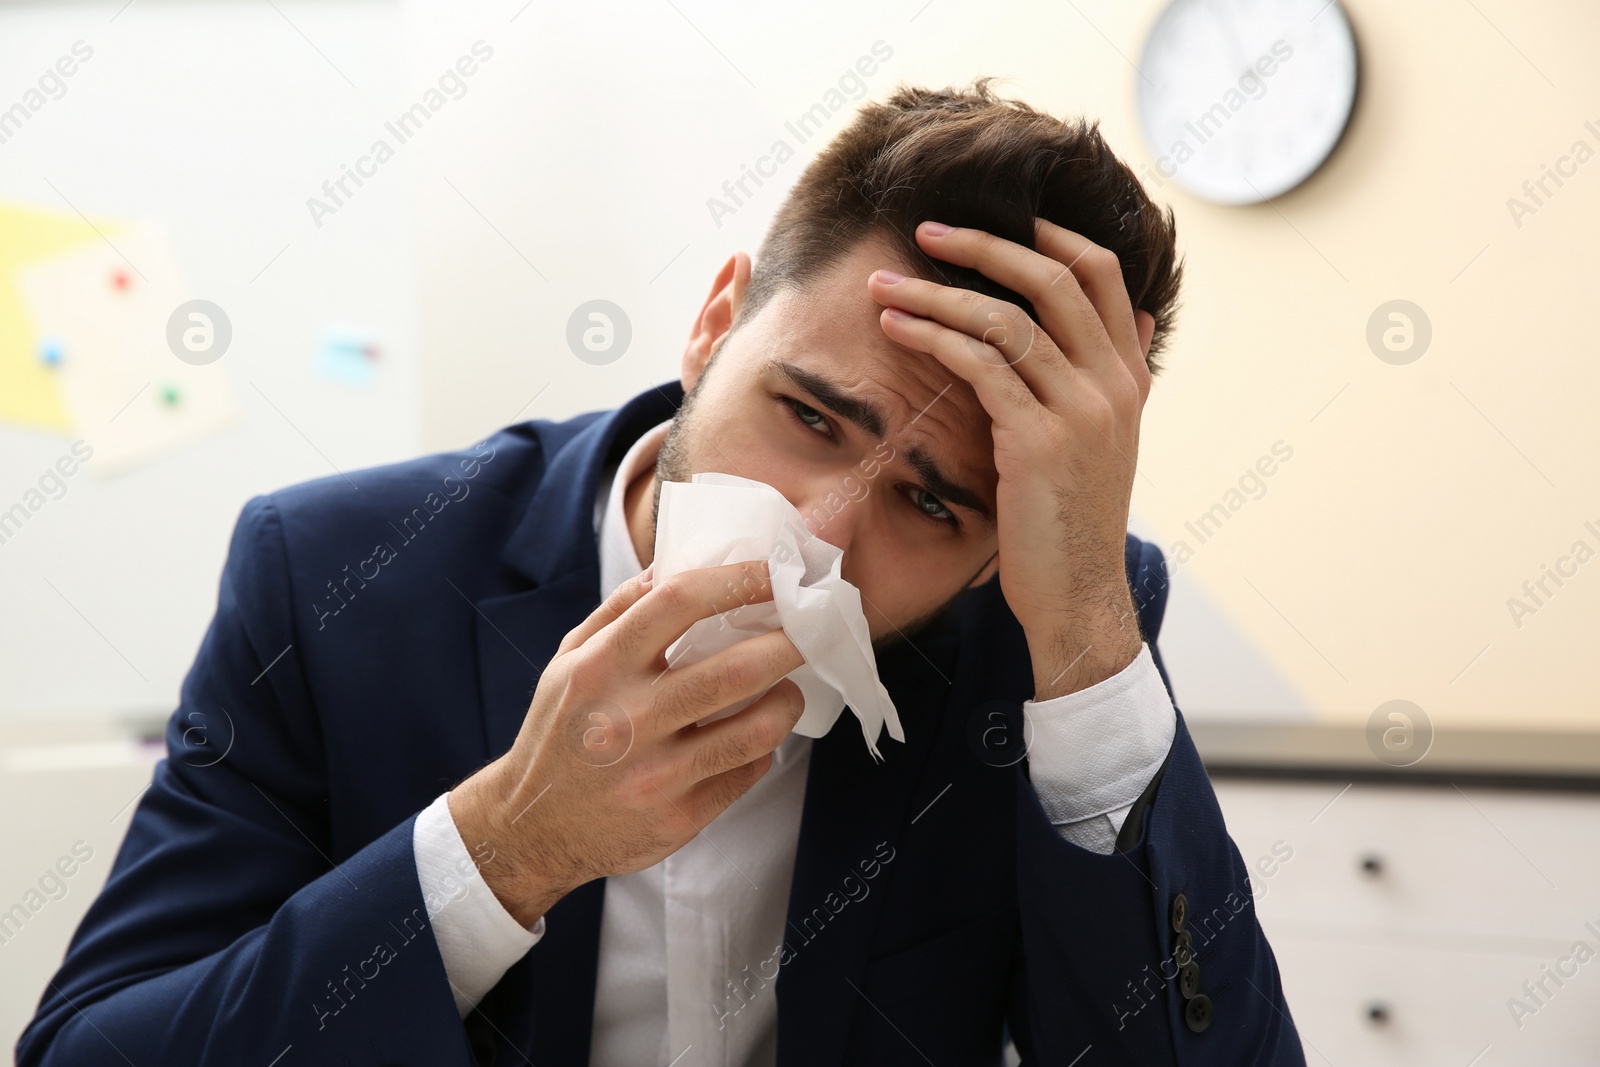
(716,316)
(987,572)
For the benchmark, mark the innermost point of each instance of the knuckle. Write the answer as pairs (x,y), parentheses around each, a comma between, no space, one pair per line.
(628,633)
(1001,322)
(1104,260)
(735,671)
(673,594)
(1015,389)
(1142,381)
(1127,390)
(735,784)
(585,671)
(773,729)
(764,734)
(1000,313)
(745,776)
(753,771)
(623,595)
(785,658)
(1020,333)
(1052,438)
(977,304)
(1101,413)
(703,808)
(635,786)
(688,695)
(973,347)
(717,756)
(797,702)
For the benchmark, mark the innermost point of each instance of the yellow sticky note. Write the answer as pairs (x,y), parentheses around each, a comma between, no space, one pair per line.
(125,388)
(29,393)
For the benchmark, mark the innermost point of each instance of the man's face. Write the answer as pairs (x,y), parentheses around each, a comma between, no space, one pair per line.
(884,453)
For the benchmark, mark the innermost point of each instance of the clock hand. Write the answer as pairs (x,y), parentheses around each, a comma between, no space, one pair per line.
(1232,33)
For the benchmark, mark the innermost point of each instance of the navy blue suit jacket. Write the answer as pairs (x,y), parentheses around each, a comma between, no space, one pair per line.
(373,646)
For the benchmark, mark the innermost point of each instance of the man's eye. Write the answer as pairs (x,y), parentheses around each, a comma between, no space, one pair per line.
(807,416)
(932,507)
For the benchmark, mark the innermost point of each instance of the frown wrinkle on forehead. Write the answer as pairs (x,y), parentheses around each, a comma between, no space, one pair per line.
(871,419)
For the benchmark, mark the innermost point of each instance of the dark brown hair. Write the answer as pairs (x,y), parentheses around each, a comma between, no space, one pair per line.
(968,158)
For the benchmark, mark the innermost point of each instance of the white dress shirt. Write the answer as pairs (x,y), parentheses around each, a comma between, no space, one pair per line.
(675,937)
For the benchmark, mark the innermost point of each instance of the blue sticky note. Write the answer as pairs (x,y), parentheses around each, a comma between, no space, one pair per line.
(347,354)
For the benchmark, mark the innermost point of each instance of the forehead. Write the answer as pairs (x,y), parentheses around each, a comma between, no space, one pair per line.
(831,329)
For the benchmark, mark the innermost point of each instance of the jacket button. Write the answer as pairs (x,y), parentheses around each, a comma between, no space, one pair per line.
(1189,980)
(1197,1013)
(1183,948)
(1180,912)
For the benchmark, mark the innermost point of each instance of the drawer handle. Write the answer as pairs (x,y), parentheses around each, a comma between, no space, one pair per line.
(1372,864)
(1378,1013)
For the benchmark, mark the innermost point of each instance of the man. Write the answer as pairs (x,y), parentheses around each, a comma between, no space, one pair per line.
(434,795)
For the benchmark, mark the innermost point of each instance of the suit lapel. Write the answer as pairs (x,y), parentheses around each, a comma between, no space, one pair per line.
(552,548)
(517,634)
(852,807)
(518,629)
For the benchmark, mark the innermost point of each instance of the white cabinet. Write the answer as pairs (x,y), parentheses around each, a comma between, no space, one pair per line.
(68,790)
(1407,918)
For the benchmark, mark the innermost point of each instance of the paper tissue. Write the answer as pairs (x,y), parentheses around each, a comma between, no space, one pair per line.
(721,518)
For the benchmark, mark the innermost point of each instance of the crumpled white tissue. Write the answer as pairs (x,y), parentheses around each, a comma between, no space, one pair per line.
(722,518)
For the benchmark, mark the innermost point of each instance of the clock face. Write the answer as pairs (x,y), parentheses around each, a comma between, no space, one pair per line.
(1241,100)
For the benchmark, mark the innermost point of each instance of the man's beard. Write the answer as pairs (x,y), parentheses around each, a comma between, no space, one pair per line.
(672,461)
(673,465)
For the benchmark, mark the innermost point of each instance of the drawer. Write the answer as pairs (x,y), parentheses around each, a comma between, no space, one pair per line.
(1428,859)
(64,803)
(1439,1007)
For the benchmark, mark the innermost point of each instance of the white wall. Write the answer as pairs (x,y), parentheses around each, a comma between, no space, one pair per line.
(215,122)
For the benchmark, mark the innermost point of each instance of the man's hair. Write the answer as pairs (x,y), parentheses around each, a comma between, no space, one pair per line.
(968,158)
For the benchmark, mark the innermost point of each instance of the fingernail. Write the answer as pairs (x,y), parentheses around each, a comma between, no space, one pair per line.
(646,574)
(889,277)
(896,313)
(935,229)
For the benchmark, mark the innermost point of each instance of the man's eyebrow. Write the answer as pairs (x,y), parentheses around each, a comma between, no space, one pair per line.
(860,412)
(871,422)
(936,483)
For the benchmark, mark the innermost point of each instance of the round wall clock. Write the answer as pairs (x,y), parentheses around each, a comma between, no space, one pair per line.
(1242,100)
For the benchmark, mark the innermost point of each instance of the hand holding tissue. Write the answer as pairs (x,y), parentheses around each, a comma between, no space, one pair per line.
(717,519)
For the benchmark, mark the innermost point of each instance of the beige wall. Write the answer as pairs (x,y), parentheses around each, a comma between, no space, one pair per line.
(1379,561)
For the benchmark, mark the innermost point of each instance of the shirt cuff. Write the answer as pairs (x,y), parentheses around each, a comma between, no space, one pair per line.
(478,939)
(1091,753)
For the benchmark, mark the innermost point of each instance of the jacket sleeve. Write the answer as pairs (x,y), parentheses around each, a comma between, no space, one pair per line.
(231,929)
(1152,954)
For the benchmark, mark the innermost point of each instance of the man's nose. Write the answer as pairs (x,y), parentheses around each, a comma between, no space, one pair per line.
(829,512)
